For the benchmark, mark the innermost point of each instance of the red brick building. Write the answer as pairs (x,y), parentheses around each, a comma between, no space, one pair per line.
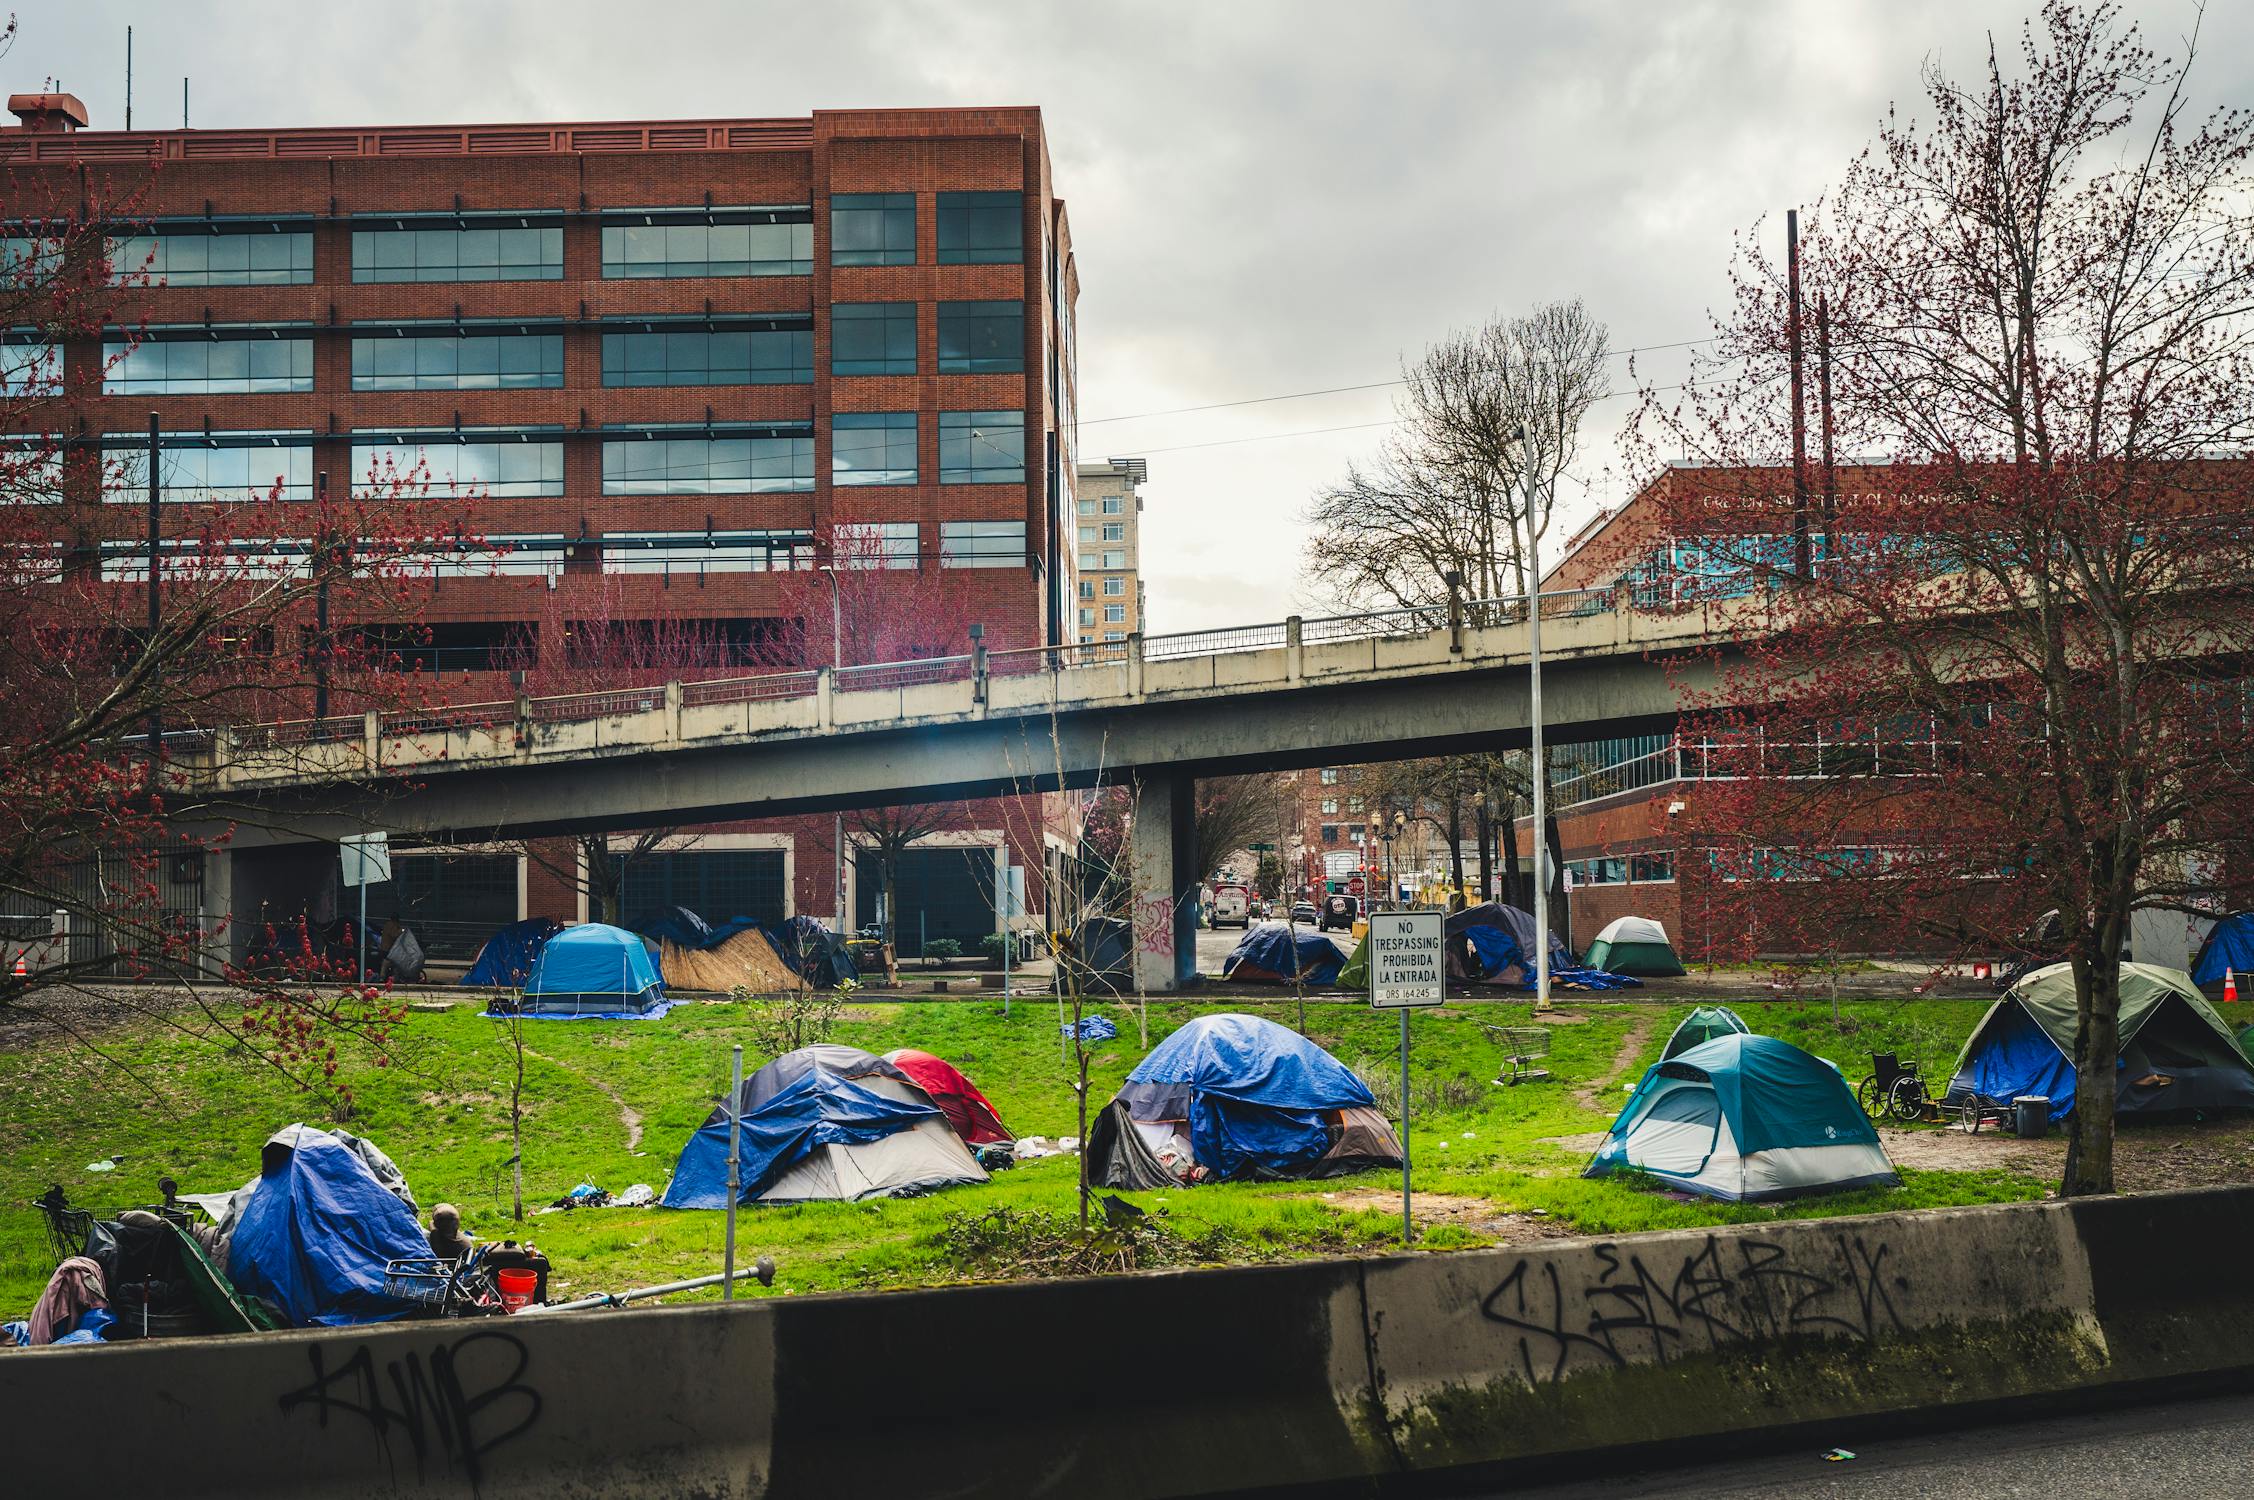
(666,357)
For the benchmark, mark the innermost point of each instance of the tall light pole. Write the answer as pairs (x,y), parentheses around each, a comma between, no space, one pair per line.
(1534,704)
(837,819)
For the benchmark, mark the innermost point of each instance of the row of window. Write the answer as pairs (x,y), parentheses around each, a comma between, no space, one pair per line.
(962,544)
(1114,614)
(1090,561)
(866,448)
(877,338)
(866,229)
(1115,532)
(1114,587)
(1652,867)
(1113,505)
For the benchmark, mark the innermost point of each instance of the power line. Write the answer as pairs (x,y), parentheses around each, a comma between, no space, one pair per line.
(1271,437)
(1337,390)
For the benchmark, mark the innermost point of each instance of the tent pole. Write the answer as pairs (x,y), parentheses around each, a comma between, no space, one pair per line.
(735,1172)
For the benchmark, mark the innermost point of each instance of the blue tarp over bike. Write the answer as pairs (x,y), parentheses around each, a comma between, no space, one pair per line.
(317,1233)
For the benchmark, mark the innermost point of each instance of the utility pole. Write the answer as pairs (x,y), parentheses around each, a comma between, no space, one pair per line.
(1800,559)
(156,607)
(128,78)
(1823,400)
(837,819)
(322,550)
(1534,703)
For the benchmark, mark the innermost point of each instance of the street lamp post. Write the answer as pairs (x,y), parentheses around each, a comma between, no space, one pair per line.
(1534,705)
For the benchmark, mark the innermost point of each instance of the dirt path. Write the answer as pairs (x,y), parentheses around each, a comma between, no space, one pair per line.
(628,1115)
(1602,1095)
(1475,1214)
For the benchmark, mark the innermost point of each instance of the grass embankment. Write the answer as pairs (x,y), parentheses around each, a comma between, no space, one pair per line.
(200,1115)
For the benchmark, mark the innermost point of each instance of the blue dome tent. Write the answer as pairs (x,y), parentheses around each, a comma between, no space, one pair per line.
(1265,955)
(1233,1097)
(597,971)
(2229,949)
(825,1123)
(1746,1118)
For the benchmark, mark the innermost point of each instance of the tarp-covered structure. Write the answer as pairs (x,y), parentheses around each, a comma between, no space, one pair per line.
(825,1123)
(970,1112)
(592,971)
(1635,945)
(2176,1053)
(1278,953)
(2229,949)
(1233,1097)
(814,952)
(508,957)
(1500,940)
(316,1232)
(1745,1118)
(1703,1025)
(674,924)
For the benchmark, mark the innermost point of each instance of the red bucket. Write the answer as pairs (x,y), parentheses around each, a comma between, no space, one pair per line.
(516,1287)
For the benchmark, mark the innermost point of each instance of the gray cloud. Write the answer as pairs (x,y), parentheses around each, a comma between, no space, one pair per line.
(1267,195)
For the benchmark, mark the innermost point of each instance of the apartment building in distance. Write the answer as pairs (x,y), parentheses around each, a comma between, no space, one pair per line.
(1109,550)
(669,359)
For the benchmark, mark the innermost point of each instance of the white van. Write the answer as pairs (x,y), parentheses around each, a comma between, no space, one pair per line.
(1232,906)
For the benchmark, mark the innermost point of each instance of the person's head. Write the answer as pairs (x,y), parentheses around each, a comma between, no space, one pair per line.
(445,1218)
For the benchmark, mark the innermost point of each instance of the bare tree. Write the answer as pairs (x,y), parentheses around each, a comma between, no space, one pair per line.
(1485,412)
(1232,811)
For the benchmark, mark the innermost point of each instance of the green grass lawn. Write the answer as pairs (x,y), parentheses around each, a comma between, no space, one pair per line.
(173,1104)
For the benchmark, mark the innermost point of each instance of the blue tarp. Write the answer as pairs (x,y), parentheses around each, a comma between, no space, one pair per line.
(814,951)
(819,1109)
(508,957)
(675,924)
(1255,1094)
(2230,946)
(594,970)
(791,1067)
(2015,1057)
(1265,956)
(1499,953)
(317,1233)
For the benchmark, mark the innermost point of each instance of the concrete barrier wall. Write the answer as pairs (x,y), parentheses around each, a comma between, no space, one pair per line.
(1352,1375)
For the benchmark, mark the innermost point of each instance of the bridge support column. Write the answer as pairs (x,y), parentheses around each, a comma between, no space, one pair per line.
(1164,861)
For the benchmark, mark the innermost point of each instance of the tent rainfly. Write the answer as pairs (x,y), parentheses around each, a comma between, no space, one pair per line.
(2229,949)
(1746,1118)
(825,1124)
(1635,945)
(974,1117)
(594,971)
(1232,1097)
(1703,1025)
(2176,1053)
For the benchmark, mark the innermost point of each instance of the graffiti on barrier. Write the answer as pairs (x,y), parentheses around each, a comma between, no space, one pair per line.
(1154,925)
(1649,1310)
(466,1400)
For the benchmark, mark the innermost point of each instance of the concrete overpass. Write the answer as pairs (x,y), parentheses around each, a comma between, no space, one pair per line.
(1157,713)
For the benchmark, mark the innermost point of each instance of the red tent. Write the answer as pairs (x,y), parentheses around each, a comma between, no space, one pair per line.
(967,1109)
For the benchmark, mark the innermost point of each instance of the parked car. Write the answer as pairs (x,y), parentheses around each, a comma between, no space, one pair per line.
(1232,906)
(1303,913)
(1339,911)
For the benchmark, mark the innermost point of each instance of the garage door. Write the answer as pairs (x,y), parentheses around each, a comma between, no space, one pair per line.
(941,893)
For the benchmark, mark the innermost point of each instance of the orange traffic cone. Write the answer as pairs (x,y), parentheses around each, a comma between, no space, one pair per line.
(2230,984)
(21,971)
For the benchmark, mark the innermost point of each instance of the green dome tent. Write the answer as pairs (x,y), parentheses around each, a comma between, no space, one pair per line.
(1635,945)
(1746,1118)
(2176,1053)
(1703,1025)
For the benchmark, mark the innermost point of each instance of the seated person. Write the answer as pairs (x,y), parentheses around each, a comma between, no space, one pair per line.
(446,1238)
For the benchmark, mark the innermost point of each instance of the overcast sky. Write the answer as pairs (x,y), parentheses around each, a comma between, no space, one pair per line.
(1267,196)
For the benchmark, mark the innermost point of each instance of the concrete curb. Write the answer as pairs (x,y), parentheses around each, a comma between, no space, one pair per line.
(1351,1377)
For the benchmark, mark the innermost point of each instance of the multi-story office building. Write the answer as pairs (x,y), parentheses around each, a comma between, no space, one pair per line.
(1109,550)
(666,358)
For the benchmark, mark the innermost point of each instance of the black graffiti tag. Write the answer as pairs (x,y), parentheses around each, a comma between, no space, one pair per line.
(439,1409)
(1633,1309)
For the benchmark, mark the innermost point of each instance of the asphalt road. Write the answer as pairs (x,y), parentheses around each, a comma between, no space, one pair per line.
(2184,1448)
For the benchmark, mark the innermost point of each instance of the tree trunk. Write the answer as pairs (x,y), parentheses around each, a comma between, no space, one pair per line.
(888,865)
(1561,915)
(2097,1050)
(516,1120)
(1507,836)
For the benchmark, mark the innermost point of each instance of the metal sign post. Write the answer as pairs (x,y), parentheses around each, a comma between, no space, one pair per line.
(1408,969)
(735,1172)
(367,861)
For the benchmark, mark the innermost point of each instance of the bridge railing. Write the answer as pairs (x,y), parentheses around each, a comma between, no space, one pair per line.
(1402,621)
